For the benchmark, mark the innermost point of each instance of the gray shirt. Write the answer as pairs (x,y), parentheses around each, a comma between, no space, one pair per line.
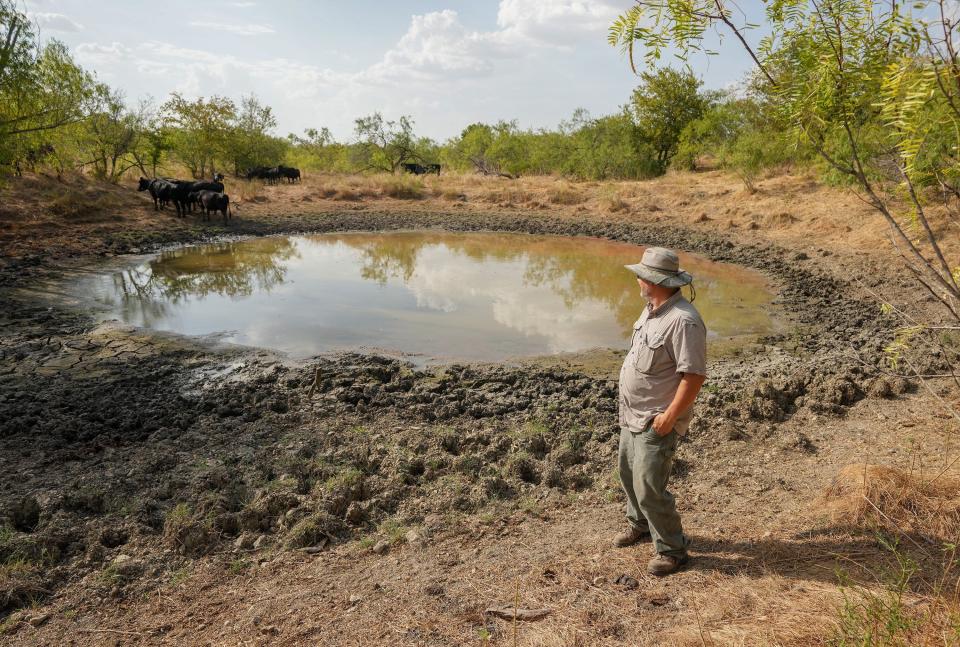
(667,342)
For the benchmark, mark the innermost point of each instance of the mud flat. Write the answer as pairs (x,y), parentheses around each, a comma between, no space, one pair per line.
(125,454)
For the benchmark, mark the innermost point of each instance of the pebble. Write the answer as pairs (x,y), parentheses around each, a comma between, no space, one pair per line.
(381,547)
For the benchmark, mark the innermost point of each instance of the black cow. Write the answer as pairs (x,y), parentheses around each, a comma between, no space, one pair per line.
(421,169)
(291,173)
(160,190)
(180,194)
(213,201)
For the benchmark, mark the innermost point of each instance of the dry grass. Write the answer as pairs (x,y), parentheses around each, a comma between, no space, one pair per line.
(612,201)
(875,496)
(246,190)
(566,194)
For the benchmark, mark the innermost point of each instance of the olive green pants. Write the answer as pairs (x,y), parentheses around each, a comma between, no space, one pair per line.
(645,461)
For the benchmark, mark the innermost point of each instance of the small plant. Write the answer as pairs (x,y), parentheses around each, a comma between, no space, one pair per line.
(883,616)
(178,577)
(238,566)
(394,530)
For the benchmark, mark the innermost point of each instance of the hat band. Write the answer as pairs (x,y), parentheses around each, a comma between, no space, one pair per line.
(660,269)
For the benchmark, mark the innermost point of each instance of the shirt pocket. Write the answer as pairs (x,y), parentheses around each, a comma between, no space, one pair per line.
(649,353)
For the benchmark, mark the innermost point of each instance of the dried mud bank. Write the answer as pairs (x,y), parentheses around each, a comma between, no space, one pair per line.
(126,453)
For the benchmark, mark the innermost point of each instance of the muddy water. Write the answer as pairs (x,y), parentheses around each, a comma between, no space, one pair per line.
(424,295)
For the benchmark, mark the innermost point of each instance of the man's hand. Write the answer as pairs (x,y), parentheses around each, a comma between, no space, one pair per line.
(686,393)
(663,423)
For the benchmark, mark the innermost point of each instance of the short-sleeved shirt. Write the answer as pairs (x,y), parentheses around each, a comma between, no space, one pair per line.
(667,342)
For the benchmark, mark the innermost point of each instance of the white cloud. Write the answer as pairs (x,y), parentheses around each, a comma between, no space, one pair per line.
(556,22)
(436,58)
(437,46)
(55,22)
(239,30)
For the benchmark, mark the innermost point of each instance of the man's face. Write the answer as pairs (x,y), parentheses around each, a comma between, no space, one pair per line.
(646,288)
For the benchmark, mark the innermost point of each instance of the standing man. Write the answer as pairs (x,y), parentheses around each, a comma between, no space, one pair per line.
(659,381)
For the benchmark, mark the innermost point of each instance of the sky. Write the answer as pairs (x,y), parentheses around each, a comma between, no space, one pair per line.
(323,63)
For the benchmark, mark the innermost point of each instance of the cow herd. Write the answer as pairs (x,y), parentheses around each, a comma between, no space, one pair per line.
(421,169)
(275,174)
(207,196)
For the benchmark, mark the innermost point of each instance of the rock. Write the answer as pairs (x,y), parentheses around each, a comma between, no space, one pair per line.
(414,537)
(261,542)
(38,619)
(245,541)
(127,567)
(434,589)
(355,599)
(381,547)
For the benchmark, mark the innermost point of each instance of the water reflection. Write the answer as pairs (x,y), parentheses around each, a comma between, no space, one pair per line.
(465,296)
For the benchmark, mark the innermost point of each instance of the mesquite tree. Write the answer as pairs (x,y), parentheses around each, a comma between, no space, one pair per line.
(873,88)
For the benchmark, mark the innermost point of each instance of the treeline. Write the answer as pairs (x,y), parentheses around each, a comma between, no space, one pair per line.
(669,121)
(56,114)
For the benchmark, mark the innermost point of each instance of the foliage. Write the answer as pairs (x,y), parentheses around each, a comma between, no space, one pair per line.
(200,131)
(873,89)
(384,145)
(662,106)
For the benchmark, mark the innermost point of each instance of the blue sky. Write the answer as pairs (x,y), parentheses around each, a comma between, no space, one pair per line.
(324,63)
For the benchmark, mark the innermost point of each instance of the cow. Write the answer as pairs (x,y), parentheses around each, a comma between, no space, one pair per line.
(213,201)
(291,173)
(180,194)
(421,169)
(160,190)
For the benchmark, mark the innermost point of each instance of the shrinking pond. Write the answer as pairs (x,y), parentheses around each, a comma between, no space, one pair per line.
(445,296)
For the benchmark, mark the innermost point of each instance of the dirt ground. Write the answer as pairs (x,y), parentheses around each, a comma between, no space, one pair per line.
(157,489)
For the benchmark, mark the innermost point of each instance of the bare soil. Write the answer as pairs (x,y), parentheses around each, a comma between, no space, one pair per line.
(157,489)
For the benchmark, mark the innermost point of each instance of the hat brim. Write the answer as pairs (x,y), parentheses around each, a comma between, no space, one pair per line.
(659,277)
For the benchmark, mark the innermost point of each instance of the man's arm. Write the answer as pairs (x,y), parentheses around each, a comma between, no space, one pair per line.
(686,393)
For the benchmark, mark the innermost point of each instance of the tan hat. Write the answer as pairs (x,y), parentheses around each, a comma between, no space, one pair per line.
(661,266)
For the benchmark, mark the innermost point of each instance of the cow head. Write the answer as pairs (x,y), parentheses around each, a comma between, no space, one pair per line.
(144,184)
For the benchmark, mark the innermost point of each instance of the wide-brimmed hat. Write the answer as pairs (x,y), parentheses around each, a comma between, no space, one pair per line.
(661,266)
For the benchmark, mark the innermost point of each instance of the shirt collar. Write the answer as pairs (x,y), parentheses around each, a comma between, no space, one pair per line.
(666,305)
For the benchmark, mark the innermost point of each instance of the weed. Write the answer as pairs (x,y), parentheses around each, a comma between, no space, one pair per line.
(178,577)
(238,566)
(394,530)
(885,617)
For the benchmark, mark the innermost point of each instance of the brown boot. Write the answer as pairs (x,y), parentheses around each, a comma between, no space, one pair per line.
(662,565)
(630,536)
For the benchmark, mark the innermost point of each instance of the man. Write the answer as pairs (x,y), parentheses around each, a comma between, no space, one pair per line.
(659,381)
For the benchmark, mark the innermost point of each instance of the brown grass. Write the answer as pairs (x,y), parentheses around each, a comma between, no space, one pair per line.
(875,496)
(566,194)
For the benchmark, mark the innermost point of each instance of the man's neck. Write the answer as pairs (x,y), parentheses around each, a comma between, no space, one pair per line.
(657,300)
